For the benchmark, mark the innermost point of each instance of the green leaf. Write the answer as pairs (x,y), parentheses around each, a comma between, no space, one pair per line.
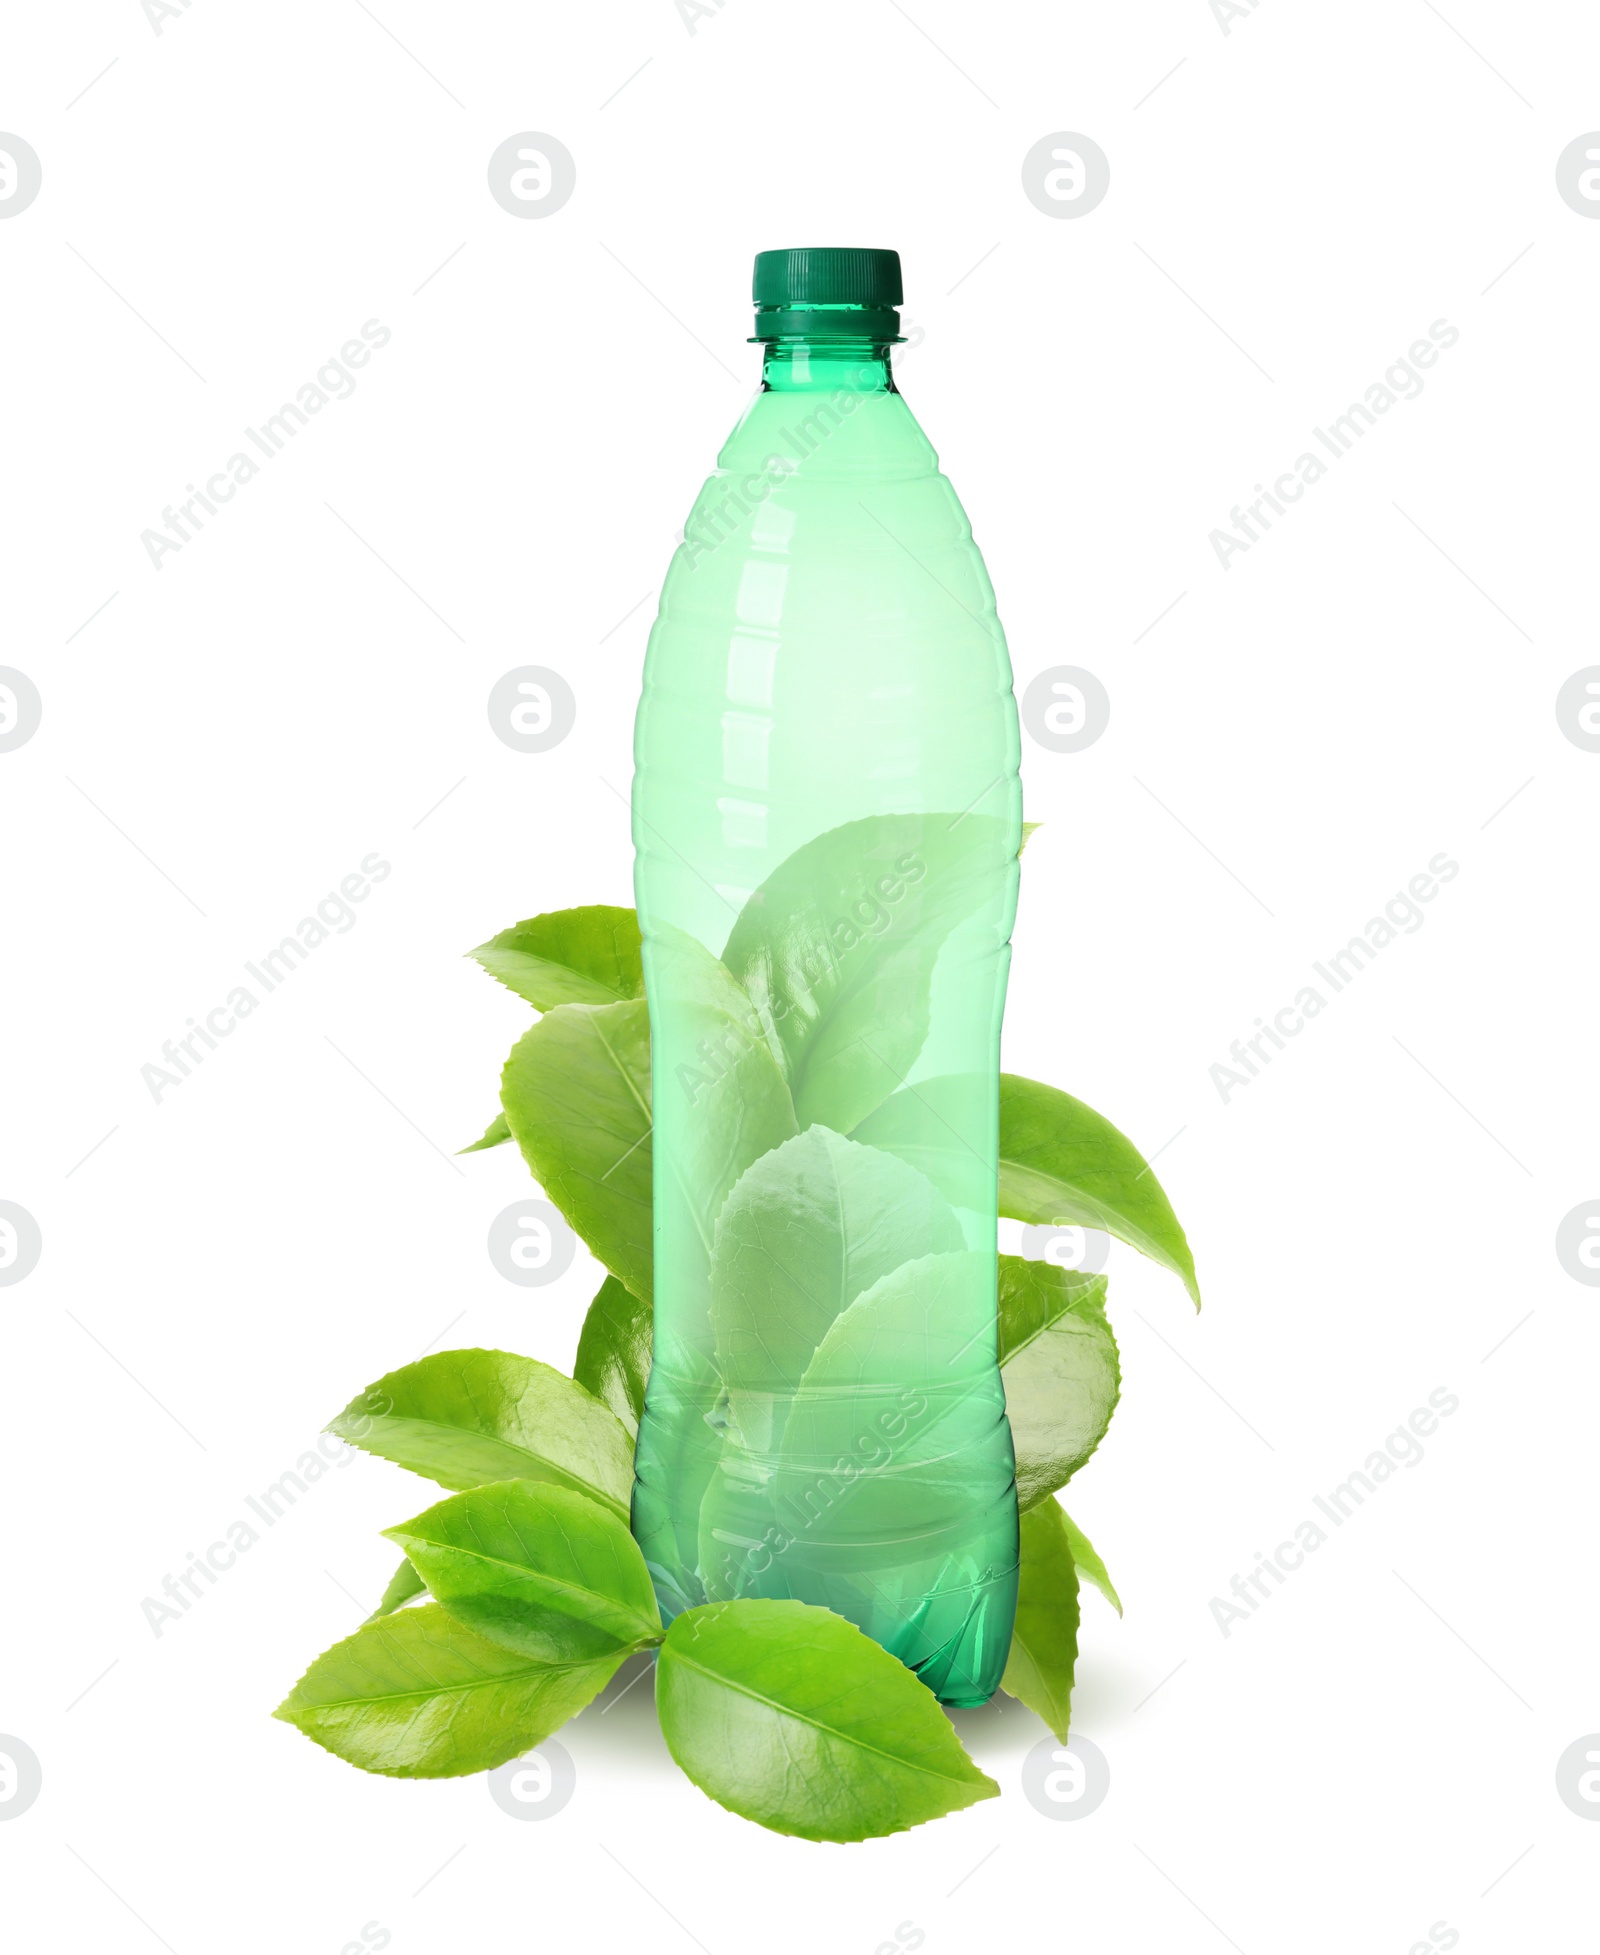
(404,1583)
(1058,1362)
(494,1135)
(836,949)
(789,1716)
(469,1418)
(613,1361)
(1061,1162)
(536,1568)
(588,956)
(418,1695)
(1044,1643)
(1089,1564)
(806,1230)
(576,1093)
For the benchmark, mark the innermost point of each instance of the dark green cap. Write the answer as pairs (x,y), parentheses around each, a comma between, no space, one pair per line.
(801,291)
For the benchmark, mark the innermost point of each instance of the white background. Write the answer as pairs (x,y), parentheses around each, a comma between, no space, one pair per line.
(1373,1217)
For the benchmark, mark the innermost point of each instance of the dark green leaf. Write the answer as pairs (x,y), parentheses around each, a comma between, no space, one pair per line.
(536,1568)
(576,1093)
(1044,1643)
(613,1361)
(469,1418)
(1063,1163)
(404,1583)
(588,956)
(836,949)
(1089,1564)
(494,1135)
(418,1695)
(789,1716)
(1058,1362)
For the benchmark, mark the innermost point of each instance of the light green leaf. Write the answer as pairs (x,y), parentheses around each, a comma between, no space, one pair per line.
(494,1135)
(1089,1564)
(536,1568)
(808,1228)
(944,1128)
(469,1418)
(929,1323)
(576,1093)
(613,1361)
(1044,1643)
(836,949)
(418,1695)
(1061,1162)
(903,1391)
(1058,1362)
(404,1583)
(789,1716)
(725,1103)
(721,1104)
(896,1457)
(588,956)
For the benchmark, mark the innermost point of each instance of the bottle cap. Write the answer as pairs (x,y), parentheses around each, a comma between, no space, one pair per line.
(844,291)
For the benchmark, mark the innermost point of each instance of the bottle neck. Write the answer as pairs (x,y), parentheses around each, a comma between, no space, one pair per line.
(804,364)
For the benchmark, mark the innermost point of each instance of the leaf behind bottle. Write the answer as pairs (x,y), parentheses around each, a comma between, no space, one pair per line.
(1044,1642)
(1058,1362)
(576,1094)
(587,956)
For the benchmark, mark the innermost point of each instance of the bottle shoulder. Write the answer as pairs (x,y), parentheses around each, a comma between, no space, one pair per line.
(830,436)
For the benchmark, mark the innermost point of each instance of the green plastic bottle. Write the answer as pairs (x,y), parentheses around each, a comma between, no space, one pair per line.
(826,820)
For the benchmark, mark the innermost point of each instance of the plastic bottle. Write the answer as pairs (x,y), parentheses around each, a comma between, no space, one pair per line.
(826,819)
